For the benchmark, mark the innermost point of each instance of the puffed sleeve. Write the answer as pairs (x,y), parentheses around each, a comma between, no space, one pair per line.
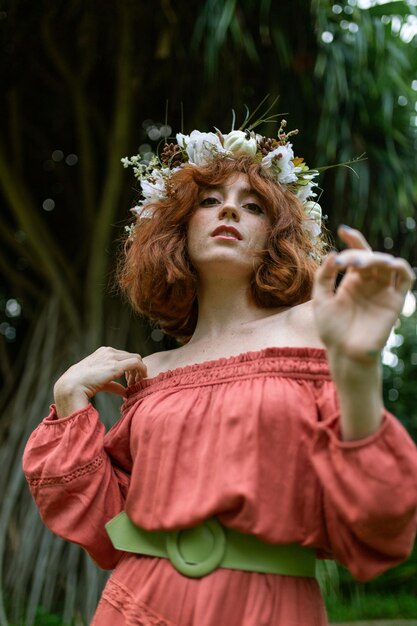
(370,494)
(75,482)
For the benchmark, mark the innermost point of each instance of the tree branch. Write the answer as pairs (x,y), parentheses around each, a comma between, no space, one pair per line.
(17,278)
(75,82)
(47,253)
(14,244)
(117,146)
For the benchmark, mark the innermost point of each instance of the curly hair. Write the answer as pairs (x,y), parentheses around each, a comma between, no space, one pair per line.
(155,271)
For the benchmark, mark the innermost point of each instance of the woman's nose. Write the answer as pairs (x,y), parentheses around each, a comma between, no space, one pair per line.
(229,211)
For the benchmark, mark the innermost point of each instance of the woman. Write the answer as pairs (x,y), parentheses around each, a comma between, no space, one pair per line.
(259,443)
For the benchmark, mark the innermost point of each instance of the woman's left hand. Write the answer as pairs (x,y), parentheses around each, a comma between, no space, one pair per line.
(356,318)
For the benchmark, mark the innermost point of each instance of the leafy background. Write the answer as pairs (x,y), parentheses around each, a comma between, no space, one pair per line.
(85,83)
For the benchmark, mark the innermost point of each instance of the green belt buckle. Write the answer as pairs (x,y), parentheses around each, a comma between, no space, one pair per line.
(187,549)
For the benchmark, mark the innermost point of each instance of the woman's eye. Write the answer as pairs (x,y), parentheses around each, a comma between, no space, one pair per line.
(254,208)
(209,201)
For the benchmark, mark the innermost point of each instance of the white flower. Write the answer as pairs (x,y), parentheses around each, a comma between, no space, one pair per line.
(153,186)
(314,215)
(306,191)
(238,143)
(312,228)
(280,160)
(130,230)
(182,140)
(313,211)
(200,147)
(142,211)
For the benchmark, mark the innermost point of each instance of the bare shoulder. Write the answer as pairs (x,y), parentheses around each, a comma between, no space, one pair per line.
(302,313)
(303,321)
(297,327)
(159,362)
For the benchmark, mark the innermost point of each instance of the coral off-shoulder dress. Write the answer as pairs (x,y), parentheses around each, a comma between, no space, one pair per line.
(252,439)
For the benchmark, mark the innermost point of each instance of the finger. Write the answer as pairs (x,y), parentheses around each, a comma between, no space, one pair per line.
(116,388)
(404,275)
(133,377)
(119,368)
(325,278)
(364,259)
(384,263)
(134,363)
(353,238)
(384,276)
(118,355)
(130,378)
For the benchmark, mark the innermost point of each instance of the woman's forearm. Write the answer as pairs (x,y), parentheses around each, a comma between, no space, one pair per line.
(359,387)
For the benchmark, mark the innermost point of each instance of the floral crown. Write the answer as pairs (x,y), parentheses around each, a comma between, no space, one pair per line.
(200,148)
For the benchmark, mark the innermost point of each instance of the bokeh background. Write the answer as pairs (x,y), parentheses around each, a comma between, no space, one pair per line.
(87,82)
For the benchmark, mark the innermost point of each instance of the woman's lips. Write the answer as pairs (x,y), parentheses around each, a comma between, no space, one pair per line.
(226,232)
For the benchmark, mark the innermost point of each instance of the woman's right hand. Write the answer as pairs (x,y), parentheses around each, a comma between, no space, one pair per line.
(95,373)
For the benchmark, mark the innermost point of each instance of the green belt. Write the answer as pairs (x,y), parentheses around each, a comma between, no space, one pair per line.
(198,551)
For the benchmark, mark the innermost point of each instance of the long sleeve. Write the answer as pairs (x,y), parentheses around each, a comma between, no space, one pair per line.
(74,482)
(370,495)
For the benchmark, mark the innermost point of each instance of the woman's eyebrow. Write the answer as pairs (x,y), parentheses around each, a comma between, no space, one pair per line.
(208,190)
(249,191)
(245,189)
(211,188)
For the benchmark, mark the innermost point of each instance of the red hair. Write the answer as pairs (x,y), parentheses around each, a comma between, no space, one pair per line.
(157,275)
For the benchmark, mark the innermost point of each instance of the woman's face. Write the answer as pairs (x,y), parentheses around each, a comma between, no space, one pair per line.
(228,228)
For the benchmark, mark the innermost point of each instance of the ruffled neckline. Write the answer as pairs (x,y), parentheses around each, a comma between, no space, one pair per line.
(288,359)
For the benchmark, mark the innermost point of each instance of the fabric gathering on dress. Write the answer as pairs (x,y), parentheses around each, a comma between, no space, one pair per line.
(252,439)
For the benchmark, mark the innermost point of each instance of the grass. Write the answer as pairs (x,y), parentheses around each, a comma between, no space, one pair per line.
(362,606)
(44,618)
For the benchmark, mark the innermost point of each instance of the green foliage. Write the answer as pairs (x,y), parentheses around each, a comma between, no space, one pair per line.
(368,105)
(400,380)
(44,618)
(372,606)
